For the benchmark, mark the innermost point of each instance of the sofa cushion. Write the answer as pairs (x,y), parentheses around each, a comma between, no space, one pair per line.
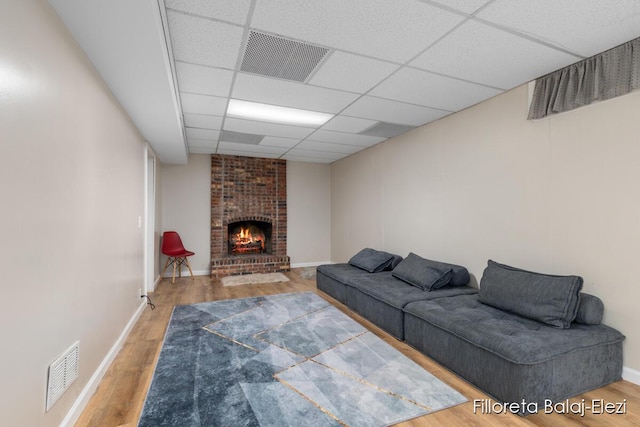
(418,272)
(460,275)
(543,297)
(372,260)
(590,310)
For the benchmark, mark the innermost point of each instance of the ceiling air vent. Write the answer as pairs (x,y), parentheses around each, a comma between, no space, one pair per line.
(386,130)
(240,137)
(278,57)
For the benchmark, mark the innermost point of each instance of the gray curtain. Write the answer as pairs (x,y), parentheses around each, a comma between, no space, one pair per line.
(603,76)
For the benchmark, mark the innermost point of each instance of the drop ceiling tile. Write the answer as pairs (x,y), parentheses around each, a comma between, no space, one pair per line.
(432,90)
(256,149)
(200,150)
(203,41)
(233,11)
(229,152)
(203,121)
(377,28)
(329,147)
(466,6)
(202,144)
(348,124)
(203,104)
(289,94)
(392,111)
(206,134)
(299,152)
(274,141)
(563,23)
(345,138)
(294,158)
(203,80)
(352,73)
(268,129)
(492,57)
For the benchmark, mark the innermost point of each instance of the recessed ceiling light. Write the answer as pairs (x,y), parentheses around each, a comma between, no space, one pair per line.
(277,114)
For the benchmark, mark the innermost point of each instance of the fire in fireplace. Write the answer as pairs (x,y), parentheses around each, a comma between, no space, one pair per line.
(249,237)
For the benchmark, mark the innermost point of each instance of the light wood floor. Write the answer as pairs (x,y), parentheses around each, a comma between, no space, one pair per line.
(120,396)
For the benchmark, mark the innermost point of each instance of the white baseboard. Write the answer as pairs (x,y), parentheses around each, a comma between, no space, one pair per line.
(631,375)
(88,390)
(169,274)
(309,264)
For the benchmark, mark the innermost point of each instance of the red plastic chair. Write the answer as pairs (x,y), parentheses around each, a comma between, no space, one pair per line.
(173,248)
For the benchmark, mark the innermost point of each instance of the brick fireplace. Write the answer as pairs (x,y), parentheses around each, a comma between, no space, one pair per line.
(248,215)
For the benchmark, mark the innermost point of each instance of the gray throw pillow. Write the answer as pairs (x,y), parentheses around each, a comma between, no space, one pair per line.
(590,310)
(372,260)
(419,272)
(543,297)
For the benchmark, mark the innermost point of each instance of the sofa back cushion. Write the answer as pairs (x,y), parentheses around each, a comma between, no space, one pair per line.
(543,297)
(374,261)
(429,274)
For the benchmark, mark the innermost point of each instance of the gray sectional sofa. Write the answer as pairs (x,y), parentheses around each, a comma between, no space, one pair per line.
(524,338)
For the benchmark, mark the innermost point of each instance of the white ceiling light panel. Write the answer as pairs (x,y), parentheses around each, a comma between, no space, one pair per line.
(276,114)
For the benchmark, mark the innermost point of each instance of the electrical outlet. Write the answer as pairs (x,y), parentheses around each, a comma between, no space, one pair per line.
(140,292)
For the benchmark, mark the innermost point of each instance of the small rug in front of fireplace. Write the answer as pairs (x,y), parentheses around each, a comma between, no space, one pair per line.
(252,279)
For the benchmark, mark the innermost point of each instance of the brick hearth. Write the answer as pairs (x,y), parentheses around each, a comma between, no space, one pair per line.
(248,189)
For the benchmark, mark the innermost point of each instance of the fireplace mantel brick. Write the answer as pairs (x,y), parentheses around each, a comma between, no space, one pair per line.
(248,187)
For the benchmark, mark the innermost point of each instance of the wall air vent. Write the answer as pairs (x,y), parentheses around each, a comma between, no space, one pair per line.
(386,130)
(272,56)
(240,137)
(62,373)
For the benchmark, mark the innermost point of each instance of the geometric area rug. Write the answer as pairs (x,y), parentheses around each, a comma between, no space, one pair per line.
(283,360)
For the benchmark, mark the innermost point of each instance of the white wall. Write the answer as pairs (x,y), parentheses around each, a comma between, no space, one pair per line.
(308,213)
(560,196)
(72,187)
(186,208)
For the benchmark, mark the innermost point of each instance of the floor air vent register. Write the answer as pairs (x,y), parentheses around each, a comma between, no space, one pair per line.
(62,372)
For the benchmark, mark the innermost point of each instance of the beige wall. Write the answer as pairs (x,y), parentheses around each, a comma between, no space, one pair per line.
(72,186)
(186,208)
(308,213)
(559,196)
